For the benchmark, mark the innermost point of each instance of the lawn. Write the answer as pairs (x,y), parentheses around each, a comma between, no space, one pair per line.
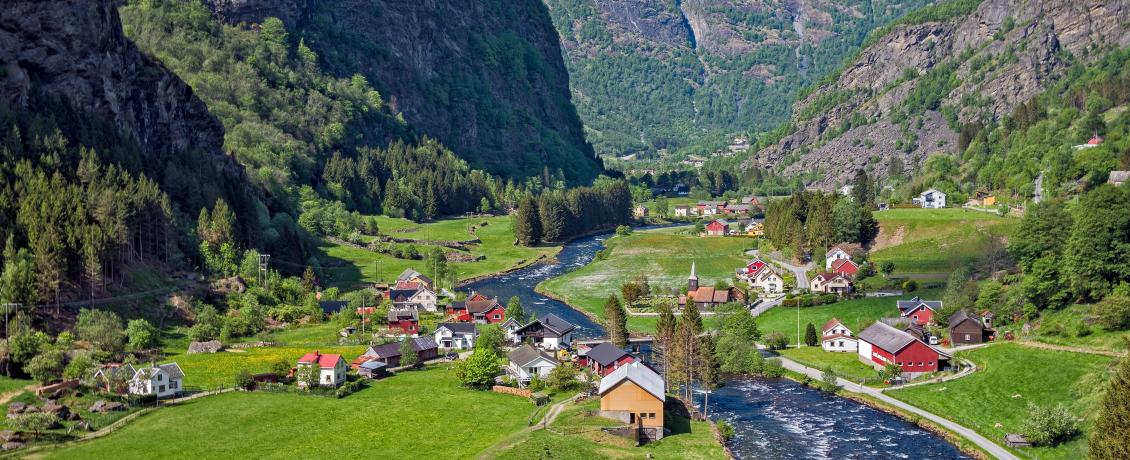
(936,240)
(663,255)
(8,384)
(1010,377)
(1069,327)
(211,370)
(583,440)
(389,419)
(854,313)
(845,365)
(346,266)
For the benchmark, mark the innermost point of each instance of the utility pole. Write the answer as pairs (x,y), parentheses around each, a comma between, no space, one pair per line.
(7,310)
(798,323)
(264,259)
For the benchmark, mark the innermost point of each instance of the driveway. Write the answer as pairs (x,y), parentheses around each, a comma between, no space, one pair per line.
(800,271)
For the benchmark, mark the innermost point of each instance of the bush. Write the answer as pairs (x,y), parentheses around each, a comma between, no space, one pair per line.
(623,230)
(772,370)
(244,380)
(1049,426)
(1114,312)
(349,388)
(725,430)
(776,340)
(828,381)
(910,286)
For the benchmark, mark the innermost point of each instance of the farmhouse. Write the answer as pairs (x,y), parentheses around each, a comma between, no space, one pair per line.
(640,212)
(404,321)
(685,211)
(412,295)
(331,368)
(114,378)
(527,361)
(845,267)
(718,227)
(919,311)
(478,308)
(830,283)
(509,327)
(549,332)
(605,358)
(760,275)
(967,329)
(836,337)
(157,380)
(637,391)
(456,335)
(412,276)
(931,199)
(836,253)
(737,209)
(882,344)
(425,348)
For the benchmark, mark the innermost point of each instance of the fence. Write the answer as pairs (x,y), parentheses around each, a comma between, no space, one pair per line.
(512,391)
(49,389)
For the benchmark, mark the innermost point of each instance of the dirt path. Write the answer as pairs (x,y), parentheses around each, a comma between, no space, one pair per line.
(514,439)
(1090,351)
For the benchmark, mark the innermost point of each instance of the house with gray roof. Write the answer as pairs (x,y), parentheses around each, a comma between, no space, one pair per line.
(162,381)
(456,335)
(605,358)
(918,310)
(526,361)
(881,345)
(548,331)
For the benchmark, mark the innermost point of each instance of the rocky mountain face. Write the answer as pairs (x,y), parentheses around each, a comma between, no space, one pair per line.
(74,52)
(661,74)
(486,78)
(907,95)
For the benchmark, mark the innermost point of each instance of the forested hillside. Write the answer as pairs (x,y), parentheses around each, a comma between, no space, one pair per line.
(660,74)
(967,95)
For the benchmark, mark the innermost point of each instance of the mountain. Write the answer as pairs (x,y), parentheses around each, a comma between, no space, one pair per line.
(485,78)
(933,80)
(665,74)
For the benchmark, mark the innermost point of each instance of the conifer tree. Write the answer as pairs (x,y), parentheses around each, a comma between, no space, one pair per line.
(665,328)
(515,311)
(810,336)
(527,222)
(1110,439)
(616,321)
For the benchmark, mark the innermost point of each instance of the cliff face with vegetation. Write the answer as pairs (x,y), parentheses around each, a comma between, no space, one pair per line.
(486,78)
(942,72)
(659,74)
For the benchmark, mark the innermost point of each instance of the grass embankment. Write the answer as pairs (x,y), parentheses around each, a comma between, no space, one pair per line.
(346,265)
(211,370)
(854,313)
(1010,377)
(929,241)
(577,436)
(663,255)
(404,416)
(845,365)
(1072,327)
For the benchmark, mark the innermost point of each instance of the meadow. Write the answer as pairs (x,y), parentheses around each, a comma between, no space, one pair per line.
(345,265)
(1072,327)
(854,313)
(213,370)
(663,255)
(389,419)
(934,241)
(577,436)
(1010,376)
(845,365)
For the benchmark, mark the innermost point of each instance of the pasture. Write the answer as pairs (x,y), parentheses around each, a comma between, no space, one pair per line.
(929,241)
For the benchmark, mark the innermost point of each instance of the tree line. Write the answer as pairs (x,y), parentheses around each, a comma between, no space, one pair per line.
(557,215)
(814,220)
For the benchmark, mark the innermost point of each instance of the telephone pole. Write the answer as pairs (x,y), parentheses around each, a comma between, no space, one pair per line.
(264,259)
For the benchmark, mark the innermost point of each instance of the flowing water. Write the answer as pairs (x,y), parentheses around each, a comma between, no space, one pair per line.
(772,418)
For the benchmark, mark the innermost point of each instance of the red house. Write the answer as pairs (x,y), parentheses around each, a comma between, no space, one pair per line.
(477,308)
(845,267)
(881,344)
(919,311)
(605,358)
(717,228)
(405,321)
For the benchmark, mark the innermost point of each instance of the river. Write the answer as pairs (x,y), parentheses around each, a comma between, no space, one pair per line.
(772,418)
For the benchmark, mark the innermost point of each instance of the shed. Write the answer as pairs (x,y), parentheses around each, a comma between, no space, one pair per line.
(373,369)
(1016,440)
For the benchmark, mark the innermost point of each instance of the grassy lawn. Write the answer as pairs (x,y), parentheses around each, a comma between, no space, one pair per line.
(663,255)
(1010,377)
(346,265)
(582,440)
(210,370)
(846,365)
(1066,327)
(936,240)
(389,419)
(854,313)
(8,384)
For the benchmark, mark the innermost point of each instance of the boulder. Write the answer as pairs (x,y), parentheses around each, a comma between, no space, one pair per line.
(11,445)
(59,410)
(16,407)
(211,346)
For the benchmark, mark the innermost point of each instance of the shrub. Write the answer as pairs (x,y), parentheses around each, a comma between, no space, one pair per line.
(725,430)
(349,388)
(772,369)
(910,286)
(623,230)
(776,340)
(828,381)
(244,380)
(1114,312)
(46,367)
(1049,426)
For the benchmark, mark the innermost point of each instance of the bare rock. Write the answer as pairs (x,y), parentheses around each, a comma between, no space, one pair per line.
(211,346)
(11,445)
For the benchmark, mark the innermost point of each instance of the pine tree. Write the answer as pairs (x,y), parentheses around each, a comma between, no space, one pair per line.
(707,364)
(527,222)
(515,311)
(665,335)
(810,336)
(687,349)
(616,321)
(1110,438)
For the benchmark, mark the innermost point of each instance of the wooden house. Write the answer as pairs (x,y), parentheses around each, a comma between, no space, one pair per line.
(919,311)
(881,344)
(605,358)
(637,391)
(330,368)
(967,329)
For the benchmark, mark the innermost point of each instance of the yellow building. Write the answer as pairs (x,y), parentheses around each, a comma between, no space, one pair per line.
(635,394)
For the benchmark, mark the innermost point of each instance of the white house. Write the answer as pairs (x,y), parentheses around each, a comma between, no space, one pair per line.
(413,296)
(830,283)
(931,199)
(684,211)
(456,335)
(834,254)
(767,280)
(510,326)
(836,337)
(549,332)
(161,381)
(331,368)
(527,361)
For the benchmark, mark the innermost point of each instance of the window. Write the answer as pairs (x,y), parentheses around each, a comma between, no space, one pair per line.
(160,377)
(651,415)
(966,336)
(161,389)
(497,316)
(173,384)
(632,417)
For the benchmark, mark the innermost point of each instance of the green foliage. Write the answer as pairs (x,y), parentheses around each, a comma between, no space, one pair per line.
(1114,311)
(890,372)
(616,321)
(102,328)
(80,366)
(563,378)
(828,382)
(46,367)
(776,340)
(515,311)
(243,379)
(408,356)
(1096,251)
(478,370)
(491,337)
(725,430)
(142,335)
(527,223)
(1049,425)
(910,285)
(34,422)
(811,337)
(1110,437)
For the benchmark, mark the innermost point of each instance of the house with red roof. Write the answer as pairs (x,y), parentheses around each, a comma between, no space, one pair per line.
(330,368)
(830,283)
(718,228)
(477,308)
(836,337)
(835,254)
(882,344)
(845,267)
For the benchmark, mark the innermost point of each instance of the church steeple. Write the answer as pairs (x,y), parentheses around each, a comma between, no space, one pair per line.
(692,281)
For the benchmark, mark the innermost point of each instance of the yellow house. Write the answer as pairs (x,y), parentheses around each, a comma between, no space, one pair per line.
(636,391)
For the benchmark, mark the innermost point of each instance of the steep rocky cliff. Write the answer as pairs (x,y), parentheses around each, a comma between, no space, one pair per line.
(659,74)
(486,78)
(907,95)
(74,52)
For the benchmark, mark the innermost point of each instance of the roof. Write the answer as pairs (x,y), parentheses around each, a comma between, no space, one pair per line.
(401,295)
(961,316)
(392,349)
(527,354)
(332,306)
(553,323)
(1095,140)
(458,328)
(837,265)
(111,370)
(836,337)
(373,365)
(408,274)
(914,302)
(606,353)
(832,323)
(324,361)
(400,315)
(927,192)
(704,294)
(637,373)
(481,304)
(886,337)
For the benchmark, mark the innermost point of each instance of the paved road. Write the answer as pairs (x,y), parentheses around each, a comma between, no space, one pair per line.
(1038,189)
(991,447)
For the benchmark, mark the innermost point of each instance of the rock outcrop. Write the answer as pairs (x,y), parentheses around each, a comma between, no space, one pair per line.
(1001,54)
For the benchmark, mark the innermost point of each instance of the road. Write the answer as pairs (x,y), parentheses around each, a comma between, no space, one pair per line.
(991,447)
(1038,191)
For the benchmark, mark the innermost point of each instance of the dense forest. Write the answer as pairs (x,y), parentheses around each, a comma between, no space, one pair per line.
(812,221)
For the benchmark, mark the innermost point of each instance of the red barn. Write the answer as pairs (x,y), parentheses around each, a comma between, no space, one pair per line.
(845,267)
(478,308)
(717,228)
(882,344)
(919,311)
(605,358)
(405,321)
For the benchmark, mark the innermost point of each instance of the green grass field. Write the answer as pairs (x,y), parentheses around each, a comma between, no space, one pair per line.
(846,365)
(854,313)
(390,419)
(936,240)
(347,265)
(583,440)
(1067,327)
(1010,377)
(8,384)
(211,370)
(663,255)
